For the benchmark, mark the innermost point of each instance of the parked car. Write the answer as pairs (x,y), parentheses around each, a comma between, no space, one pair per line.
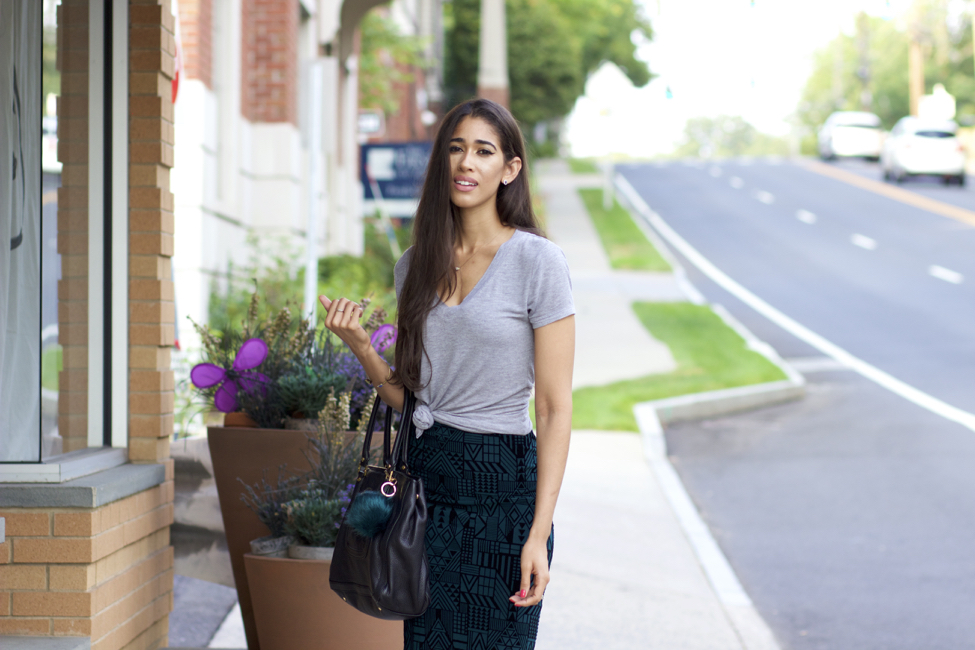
(924,147)
(851,134)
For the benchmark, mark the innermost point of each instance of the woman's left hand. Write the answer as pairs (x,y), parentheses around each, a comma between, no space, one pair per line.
(534,562)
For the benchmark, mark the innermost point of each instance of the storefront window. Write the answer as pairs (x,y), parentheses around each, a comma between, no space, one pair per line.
(52,184)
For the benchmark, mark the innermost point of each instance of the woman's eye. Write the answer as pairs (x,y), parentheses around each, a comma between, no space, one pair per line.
(486,152)
(454,149)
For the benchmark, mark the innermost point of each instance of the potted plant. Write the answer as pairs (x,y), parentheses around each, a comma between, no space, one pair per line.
(292,603)
(267,501)
(243,372)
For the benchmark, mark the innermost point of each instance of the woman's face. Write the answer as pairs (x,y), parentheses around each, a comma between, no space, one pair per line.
(477,164)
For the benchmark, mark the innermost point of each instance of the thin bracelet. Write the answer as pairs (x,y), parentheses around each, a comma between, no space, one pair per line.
(384,382)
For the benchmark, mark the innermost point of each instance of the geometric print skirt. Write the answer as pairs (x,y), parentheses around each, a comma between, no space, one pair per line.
(480,491)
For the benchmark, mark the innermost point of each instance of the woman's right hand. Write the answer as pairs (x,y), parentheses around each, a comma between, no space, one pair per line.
(343,319)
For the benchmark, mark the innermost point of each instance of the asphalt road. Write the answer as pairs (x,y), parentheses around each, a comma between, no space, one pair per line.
(849,516)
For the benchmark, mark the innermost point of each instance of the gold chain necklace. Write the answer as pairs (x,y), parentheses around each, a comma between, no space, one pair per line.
(474,252)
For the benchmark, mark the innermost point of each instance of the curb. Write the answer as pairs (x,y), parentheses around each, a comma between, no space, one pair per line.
(752,630)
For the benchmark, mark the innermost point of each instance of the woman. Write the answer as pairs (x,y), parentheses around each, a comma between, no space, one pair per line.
(485,312)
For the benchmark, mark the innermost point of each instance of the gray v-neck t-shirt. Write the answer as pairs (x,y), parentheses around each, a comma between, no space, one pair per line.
(481,366)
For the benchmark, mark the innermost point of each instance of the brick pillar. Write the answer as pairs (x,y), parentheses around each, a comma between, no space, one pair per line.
(196,34)
(269,70)
(72,17)
(151,303)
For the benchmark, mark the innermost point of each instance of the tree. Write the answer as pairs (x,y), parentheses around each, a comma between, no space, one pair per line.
(725,136)
(553,46)
(868,71)
(386,57)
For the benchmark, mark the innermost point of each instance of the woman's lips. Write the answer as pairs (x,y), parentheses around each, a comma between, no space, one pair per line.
(464,184)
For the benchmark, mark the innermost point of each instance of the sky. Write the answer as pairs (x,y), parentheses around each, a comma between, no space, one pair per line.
(717,57)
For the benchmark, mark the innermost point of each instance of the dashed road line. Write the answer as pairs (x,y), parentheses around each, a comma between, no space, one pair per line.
(736,182)
(947,275)
(827,347)
(806,216)
(863,242)
(765,197)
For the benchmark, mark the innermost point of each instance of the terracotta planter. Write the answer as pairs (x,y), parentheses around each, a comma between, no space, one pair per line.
(246,453)
(295,609)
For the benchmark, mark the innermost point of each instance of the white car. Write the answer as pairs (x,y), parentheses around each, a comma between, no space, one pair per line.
(851,134)
(924,147)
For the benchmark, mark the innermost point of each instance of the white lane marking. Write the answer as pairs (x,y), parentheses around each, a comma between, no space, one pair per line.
(715,171)
(765,197)
(891,383)
(947,275)
(806,216)
(736,182)
(863,241)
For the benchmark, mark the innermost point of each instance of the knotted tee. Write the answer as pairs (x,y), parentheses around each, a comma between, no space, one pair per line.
(481,366)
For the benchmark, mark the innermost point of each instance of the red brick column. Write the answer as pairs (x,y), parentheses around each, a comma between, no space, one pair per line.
(269,69)
(196,35)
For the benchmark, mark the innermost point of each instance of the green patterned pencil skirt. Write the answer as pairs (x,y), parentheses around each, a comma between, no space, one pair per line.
(480,491)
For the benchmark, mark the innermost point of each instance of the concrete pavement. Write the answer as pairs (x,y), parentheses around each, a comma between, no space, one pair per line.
(611,343)
(625,573)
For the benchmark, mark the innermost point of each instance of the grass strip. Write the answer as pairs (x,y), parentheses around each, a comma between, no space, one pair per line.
(709,355)
(625,244)
(583,166)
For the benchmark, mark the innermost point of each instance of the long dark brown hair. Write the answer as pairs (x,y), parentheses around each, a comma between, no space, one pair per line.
(438,222)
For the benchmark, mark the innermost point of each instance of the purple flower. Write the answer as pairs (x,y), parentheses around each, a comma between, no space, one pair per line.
(239,376)
(384,337)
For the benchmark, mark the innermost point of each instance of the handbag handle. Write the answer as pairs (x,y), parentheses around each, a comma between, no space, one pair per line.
(397,455)
(406,431)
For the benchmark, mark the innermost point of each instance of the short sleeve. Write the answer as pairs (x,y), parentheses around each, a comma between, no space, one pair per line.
(550,287)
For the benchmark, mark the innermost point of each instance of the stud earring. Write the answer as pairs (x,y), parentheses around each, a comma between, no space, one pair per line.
(504,182)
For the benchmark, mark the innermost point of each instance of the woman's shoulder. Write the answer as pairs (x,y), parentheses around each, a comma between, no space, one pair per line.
(536,247)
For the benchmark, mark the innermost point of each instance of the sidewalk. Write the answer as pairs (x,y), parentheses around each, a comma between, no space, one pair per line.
(625,573)
(630,571)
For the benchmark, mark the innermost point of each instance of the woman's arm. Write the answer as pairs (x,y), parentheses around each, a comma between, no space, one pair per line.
(344,318)
(554,353)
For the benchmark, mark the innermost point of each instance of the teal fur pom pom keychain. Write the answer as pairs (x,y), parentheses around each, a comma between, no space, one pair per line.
(369,513)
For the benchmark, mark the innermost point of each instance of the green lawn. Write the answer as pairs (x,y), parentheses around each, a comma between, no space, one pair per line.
(583,166)
(709,355)
(626,246)
(51,365)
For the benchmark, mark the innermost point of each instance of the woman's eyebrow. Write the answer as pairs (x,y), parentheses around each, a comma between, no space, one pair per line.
(487,142)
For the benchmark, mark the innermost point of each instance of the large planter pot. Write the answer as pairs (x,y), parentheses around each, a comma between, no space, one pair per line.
(245,453)
(295,609)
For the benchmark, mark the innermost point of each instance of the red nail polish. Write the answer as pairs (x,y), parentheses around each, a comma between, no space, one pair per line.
(523,593)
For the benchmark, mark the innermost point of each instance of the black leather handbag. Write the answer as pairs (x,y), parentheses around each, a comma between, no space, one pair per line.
(383,570)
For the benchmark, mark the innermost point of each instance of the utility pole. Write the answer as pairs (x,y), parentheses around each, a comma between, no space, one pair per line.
(915,61)
(863,71)
(492,68)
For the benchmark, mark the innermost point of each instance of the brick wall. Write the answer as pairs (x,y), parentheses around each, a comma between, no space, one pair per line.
(152,308)
(269,66)
(105,573)
(196,36)
(73,222)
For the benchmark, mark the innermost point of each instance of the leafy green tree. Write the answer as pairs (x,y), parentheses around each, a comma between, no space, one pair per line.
(386,57)
(725,136)
(553,46)
(869,70)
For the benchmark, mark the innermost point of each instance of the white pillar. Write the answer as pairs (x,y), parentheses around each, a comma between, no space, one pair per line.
(492,70)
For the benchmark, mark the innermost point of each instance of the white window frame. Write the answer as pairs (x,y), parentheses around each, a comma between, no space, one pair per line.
(98,456)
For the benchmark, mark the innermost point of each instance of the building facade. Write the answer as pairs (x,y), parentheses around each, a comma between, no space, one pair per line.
(93,212)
